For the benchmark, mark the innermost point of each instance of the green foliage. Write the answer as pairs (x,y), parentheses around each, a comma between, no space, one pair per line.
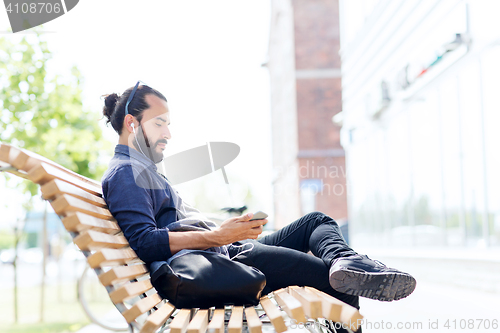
(44,328)
(45,115)
(7,240)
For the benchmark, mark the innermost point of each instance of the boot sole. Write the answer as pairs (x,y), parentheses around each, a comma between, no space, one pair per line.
(384,286)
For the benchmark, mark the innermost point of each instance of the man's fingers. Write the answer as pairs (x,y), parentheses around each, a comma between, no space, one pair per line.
(255,232)
(257,223)
(244,218)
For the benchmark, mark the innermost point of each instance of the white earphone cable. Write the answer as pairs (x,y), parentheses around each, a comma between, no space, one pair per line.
(244,251)
(135,136)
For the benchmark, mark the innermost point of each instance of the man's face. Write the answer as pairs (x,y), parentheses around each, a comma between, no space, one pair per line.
(153,131)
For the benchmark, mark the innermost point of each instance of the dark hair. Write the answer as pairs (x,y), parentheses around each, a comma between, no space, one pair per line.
(114,105)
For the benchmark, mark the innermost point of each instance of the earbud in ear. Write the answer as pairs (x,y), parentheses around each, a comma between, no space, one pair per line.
(133,127)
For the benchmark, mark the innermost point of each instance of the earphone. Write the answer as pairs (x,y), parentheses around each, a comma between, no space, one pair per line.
(135,136)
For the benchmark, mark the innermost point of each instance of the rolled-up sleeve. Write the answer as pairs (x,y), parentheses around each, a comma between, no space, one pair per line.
(132,206)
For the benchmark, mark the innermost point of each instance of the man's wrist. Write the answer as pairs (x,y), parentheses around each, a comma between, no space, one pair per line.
(193,240)
(214,237)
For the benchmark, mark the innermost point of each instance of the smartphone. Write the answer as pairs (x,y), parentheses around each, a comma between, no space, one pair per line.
(259,216)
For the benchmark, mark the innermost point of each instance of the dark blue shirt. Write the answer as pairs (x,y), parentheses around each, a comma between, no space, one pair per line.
(135,194)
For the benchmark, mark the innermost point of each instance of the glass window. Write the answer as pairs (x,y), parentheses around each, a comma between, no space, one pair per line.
(425,169)
(472,151)
(490,72)
(452,165)
(308,190)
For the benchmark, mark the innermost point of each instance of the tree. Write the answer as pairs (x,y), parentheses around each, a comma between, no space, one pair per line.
(44,114)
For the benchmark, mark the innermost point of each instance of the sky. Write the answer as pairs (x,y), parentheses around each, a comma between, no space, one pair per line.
(204,56)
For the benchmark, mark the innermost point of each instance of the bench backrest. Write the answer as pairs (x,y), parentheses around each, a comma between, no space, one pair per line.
(78,202)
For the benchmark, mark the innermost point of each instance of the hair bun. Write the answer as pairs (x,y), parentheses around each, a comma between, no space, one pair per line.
(109,105)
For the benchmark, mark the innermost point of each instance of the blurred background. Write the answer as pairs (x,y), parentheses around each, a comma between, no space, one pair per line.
(379,113)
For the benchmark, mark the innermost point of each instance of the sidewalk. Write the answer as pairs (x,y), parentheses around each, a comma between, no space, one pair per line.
(93,328)
(433,308)
(451,296)
(113,318)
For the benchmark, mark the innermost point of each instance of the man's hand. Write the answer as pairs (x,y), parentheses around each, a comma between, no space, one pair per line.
(237,229)
(230,231)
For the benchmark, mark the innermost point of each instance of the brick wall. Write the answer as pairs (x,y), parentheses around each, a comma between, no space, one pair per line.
(304,66)
(319,98)
(317,37)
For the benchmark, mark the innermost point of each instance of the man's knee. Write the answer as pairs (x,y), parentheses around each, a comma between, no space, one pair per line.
(315,214)
(320,217)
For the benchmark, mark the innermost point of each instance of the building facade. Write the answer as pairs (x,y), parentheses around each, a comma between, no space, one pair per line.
(304,67)
(420,112)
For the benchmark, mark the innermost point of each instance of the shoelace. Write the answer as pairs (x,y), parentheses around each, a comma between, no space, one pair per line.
(374,260)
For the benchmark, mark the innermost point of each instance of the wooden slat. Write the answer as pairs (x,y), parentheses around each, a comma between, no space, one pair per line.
(10,169)
(310,301)
(274,314)
(111,257)
(330,310)
(348,314)
(19,159)
(130,290)
(56,187)
(4,152)
(45,172)
(93,240)
(121,273)
(9,155)
(78,222)
(140,307)
(253,321)
(180,322)
(199,323)
(158,318)
(290,305)
(66,204)
(217,322)
(4,162)
(25,160)
(235,324)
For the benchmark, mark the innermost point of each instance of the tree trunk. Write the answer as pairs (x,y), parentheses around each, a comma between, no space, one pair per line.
(17,236)
(44,262)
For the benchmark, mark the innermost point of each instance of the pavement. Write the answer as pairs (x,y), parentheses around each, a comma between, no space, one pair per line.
(451,296)
(93,328)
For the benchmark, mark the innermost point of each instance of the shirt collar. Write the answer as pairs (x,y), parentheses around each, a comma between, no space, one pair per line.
(135,155)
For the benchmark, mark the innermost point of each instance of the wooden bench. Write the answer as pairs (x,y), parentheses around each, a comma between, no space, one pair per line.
(78,202)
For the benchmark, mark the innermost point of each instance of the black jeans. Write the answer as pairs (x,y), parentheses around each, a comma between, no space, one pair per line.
(282,256)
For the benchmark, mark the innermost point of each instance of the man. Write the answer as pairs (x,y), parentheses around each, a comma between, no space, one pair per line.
(151,214)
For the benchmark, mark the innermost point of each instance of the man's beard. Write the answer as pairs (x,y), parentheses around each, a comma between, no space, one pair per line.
(144,146)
